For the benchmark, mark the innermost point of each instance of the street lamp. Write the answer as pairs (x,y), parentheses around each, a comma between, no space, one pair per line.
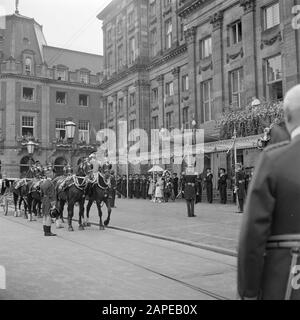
(70,130)
(30,147)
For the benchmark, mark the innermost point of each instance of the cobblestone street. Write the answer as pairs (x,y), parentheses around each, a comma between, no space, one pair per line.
(215,225)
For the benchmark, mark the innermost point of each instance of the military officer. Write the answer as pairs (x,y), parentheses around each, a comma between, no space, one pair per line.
(190,192)
(266,260)
(48,201)
(209,185)
(240,186)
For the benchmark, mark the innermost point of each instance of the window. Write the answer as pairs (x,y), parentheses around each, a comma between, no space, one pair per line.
(236,32)
(61,98)
(110,108)
(205,48)
(237,87)
(274,78)
(154,95)
(84,131)
(169,120)
(109,35)
(271,16)
(153,42)
(185,83)
(83,100)
(120,57)
(109,63)
(130,18)
(27,126)
(132,124)
(60,130)
(132,99)
(185,118)
(28,94)
(207,100)
(168,30)
(61,75)
(155,122)
(28,66)
(119,26)
(120,105)
(153,8)
(131,50)
(169,89)
(84,77)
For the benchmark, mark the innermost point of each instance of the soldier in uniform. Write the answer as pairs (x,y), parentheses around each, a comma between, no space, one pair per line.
(124,186)
(113,188)
(130,187)
(199,188)
(222,186)
(269,240)
(209,185)
(190,193)
(240,188)
(48,201)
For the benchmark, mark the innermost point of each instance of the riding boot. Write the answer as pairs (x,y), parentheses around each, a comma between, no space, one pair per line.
(45,230)
(48,232)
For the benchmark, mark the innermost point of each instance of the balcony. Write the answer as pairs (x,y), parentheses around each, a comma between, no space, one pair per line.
(251,120)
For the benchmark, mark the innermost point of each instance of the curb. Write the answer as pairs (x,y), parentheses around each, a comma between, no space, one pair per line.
(203,246)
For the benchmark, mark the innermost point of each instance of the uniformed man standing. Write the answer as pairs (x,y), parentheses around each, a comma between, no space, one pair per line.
(270,235)
(209,185)
(190,193)
(240,187)
(48,201)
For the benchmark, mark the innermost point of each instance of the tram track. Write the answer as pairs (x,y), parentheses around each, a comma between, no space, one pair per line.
(195,288)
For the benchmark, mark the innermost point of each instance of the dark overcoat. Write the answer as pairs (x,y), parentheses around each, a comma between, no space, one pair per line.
(272,209)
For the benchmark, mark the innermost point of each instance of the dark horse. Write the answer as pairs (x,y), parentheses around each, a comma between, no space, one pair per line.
(20,193)
(72,191)
(99,191)
(34,197)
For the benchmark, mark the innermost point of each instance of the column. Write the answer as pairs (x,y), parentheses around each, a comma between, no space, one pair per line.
(190,38)
(176,83)
(218,64)
(161,93)
(249,49)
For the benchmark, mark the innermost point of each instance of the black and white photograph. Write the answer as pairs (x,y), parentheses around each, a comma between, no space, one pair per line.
(149,151)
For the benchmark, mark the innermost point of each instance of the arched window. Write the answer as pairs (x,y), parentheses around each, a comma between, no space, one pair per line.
(59,164)
(24,166)
(28,65)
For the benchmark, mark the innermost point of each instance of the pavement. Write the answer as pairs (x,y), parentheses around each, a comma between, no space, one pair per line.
(216,226)
(112,264)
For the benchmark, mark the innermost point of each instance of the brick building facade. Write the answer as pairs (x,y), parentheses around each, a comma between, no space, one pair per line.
(41,87)
(169,62)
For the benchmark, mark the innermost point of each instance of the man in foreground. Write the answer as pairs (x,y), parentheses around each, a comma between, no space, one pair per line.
(269,241)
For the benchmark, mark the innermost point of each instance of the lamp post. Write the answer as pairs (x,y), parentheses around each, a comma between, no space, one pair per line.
(70,127)
(30,149)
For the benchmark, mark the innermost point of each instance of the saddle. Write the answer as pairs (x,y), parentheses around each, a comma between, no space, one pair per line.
(36,186)
(20,183)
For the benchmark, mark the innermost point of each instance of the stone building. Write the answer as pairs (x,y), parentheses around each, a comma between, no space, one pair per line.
(175,63)
(41,87)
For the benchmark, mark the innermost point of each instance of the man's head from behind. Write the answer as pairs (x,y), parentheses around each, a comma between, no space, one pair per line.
(291,108)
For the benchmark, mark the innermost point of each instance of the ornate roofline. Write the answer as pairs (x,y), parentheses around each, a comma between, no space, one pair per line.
(189,6)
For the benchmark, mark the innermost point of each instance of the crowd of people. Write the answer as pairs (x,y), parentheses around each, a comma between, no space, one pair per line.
(165,186)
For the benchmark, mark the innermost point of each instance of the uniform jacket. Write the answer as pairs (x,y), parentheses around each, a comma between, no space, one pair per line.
(241,184)
(48,195)
(272,208)
(190,188)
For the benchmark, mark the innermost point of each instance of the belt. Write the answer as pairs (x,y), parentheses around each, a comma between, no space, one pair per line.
(284,241)
(191,184)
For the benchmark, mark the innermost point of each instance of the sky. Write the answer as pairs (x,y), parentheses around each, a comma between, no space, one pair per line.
(70,24)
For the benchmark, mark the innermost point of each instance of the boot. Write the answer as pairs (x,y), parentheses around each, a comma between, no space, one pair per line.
(48,232)
(45,231)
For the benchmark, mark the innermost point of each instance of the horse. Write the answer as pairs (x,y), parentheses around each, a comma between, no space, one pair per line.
(100,192)
(71,190)
(20,192)
(34,198)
